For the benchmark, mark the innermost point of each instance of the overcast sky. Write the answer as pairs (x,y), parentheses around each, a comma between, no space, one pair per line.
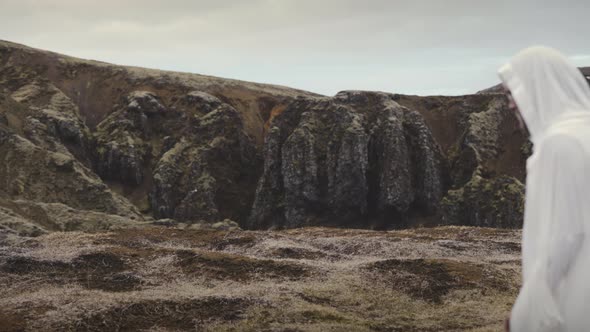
(423,47)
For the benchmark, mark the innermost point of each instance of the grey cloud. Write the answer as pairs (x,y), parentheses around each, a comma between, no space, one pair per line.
(420,46)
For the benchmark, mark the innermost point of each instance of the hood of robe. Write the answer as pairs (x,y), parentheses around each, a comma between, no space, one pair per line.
(547,89)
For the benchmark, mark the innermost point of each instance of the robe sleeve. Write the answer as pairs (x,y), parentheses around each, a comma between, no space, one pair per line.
(561,173)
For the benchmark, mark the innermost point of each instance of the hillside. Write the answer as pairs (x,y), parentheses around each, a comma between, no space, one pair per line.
(144,144)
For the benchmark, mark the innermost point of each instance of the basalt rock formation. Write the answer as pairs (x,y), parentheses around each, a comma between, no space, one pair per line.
(357,156)
(145,144)
(365,156)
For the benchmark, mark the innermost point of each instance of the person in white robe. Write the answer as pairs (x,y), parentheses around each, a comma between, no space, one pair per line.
(551,97)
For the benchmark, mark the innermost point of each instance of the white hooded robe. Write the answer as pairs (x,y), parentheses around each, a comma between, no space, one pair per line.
(554,100)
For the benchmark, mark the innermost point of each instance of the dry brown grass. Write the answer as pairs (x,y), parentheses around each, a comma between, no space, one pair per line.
(316,279)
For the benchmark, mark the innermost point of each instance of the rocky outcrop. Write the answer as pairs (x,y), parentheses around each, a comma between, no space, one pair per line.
(183,160)
(480,196)
(485,202)
(44,148)
(362,159)
(336,161)
(486,154)
(41,113)
(30,172)
(122,139)
(208,173)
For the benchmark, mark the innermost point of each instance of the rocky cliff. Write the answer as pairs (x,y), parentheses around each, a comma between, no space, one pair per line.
(135,144)
(389,161)
(357,156)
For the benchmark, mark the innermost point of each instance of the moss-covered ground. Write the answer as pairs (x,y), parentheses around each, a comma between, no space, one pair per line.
(312,279)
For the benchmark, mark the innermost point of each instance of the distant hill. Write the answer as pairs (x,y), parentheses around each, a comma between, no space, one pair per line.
(498,88)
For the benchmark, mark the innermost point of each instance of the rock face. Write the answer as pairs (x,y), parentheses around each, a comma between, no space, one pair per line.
(486,156)
(362,159)
(180,161)
(209,172)
(127,141)
(42,153)
(357,156)
(480,196)
(137,143)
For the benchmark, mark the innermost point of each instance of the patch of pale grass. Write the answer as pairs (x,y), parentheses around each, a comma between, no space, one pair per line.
(174,245)
(64,247)
(155,268)
(352,301)
(72,302)
(17,286)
